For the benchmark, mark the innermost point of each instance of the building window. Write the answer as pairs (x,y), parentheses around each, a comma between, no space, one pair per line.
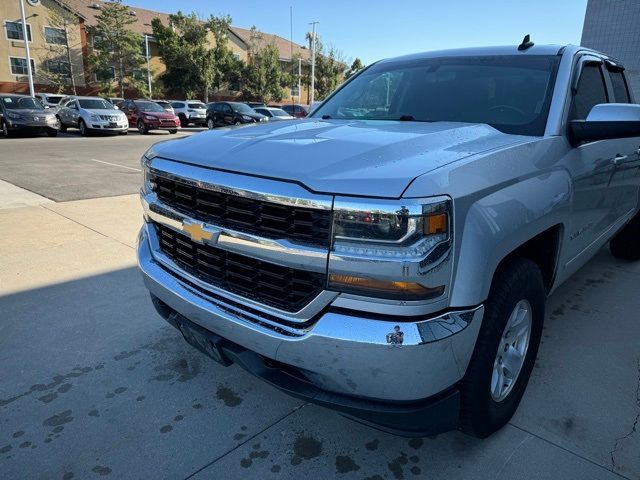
(55,36)
(58,67)
(14,30)
(295,91)
(138,74)
(106,75)
(19,66)
(236,56)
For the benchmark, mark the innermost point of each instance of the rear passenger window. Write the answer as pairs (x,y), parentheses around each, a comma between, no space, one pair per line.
(620,89)
(591,91)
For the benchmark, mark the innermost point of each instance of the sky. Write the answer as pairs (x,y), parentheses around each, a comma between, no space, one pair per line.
(375,29)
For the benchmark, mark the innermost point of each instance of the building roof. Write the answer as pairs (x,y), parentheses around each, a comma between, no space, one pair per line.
(89,9)
(284,45)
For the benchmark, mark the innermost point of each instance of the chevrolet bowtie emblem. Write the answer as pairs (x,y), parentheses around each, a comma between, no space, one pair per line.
(199,234)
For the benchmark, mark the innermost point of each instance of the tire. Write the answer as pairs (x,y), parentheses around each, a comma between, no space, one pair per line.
(61,126)
(52,133)
(237,122)
(84,131)
(210,124)
(5,130)
(173,132)
(142,128)
(123,133)
(517,287)
(183,121)
(626,243)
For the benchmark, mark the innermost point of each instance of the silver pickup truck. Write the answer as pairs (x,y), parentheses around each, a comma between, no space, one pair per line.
(389,257)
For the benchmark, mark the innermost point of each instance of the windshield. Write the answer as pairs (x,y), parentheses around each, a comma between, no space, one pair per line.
(276,112)
(197,105)
(20,103)
(96,103)
(242,108)
(54,100)
(149,107)
(510,93)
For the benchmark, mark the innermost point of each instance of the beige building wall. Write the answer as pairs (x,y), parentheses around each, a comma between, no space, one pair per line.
(38,18)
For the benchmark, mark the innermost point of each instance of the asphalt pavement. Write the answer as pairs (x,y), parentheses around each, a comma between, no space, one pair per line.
(94,384)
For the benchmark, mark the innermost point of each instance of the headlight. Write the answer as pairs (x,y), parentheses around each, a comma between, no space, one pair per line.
(150,117)
(386,249)
(51,119)
(247,118)
(14,116)
(149,155)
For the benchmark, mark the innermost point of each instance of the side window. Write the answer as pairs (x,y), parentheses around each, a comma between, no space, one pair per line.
(620,88)
(591,91)
(226,108)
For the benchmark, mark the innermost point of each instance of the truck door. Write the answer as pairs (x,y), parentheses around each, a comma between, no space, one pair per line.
(592,166)
(627,177)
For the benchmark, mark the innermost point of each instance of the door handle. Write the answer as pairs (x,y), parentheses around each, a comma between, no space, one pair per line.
(620,159)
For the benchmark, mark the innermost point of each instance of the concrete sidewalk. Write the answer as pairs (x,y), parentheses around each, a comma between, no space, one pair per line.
(94,383)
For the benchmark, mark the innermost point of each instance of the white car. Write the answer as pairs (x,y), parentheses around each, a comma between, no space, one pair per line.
(274,114)
(49,100)
(91,114)
(190,112)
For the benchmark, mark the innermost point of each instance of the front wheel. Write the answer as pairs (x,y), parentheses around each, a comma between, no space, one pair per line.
(210,124)
(173,132)
(506,348)
(626,243)
(237,122)
(184,123)
(83,128)
(61,126)
(52,133)
(142,128)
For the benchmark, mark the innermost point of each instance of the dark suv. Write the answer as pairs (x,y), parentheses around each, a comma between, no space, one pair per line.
(231,113)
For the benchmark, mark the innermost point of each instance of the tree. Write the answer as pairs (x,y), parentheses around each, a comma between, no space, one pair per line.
(195,65)
(330,68)
(117,49)
(57,60)
(356,66)
(264,77)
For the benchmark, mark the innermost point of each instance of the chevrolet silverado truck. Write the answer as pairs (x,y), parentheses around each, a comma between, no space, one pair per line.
(390,256)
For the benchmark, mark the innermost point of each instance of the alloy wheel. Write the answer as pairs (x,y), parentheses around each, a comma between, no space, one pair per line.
(512,351)
(5,129)
(210,124)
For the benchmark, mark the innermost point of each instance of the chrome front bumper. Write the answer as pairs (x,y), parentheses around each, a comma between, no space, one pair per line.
(340,351)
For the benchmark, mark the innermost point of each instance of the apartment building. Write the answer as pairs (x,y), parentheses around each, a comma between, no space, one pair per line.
(54,54)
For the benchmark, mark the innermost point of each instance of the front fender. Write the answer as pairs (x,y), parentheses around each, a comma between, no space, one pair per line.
(497,224)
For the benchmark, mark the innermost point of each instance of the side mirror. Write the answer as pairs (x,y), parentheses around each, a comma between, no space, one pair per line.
(606,121)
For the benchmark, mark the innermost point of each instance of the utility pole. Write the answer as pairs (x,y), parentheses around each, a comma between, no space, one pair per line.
(299,80)
(146,46)
(313,61)
(26,48)
(66,44)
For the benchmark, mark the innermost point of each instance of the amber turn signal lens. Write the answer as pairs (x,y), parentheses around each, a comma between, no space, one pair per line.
(383,288)
(436,224)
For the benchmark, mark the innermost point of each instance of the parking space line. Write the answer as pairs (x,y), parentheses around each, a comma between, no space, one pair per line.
(115,165)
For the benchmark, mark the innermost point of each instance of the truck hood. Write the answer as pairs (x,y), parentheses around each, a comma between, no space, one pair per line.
(364,158)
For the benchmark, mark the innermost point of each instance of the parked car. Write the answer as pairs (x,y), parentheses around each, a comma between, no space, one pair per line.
(166,105)
(49,100)
(295,110)
(393,260)
(274,114)
(147,115)
(190,112)
(24,114)
(114,100)
(231,113)
(91,114)
(255,104)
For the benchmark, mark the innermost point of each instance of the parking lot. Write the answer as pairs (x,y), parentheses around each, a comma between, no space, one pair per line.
(94,384)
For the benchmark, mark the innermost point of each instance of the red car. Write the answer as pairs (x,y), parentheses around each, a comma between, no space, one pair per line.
(146,115)
(296,110)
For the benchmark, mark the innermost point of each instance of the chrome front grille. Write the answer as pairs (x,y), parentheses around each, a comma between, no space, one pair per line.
(109,118)
(298,224)
(281,287)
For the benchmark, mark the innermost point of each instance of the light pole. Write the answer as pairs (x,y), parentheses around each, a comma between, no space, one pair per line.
(26,48)
(313,61)
(146,46)
(299,80)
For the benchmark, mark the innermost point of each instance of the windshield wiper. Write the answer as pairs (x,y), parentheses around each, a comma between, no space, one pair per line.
(407,118)
(326,117)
